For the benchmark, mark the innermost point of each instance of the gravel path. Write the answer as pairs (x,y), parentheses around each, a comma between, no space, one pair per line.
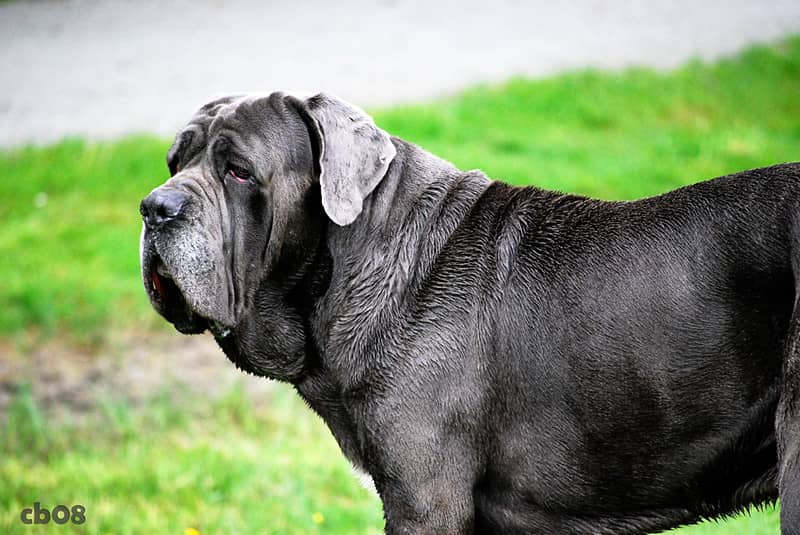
(105,68)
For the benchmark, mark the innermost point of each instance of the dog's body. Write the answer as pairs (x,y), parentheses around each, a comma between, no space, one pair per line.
(499,359)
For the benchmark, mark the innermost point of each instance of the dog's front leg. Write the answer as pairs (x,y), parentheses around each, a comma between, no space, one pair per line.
(434,506)
(787,423)
(425,482)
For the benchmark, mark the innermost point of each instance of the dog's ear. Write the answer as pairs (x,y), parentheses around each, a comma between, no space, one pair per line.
(352,153)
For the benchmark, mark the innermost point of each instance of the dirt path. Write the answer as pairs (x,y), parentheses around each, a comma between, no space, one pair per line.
(104,68)
(131,367)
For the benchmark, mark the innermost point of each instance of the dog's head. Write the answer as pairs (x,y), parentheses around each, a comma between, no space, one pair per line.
(252,178)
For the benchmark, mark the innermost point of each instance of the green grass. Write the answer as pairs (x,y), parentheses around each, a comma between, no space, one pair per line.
(68,261)
(69,242)
(224,467)
(620,136)
(765,522)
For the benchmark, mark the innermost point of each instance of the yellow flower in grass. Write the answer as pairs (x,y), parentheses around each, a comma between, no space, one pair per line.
(317,518)
(191,531)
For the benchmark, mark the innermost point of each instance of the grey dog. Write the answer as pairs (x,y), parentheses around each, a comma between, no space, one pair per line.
(498,359)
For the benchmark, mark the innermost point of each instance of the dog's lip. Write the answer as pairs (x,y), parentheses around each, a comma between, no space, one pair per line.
(160,277)
(157,275)
(169,299)
(161,269)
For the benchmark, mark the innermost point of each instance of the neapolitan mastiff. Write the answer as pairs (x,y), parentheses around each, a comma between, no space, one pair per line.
(499,359)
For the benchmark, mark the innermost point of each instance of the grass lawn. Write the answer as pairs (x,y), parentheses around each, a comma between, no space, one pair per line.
(69,265)
(181,462)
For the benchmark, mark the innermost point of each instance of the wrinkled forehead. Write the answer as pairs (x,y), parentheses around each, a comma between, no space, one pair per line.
(260,125)
(252,122)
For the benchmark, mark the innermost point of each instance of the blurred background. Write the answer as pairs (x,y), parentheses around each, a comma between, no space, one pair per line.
(103,405)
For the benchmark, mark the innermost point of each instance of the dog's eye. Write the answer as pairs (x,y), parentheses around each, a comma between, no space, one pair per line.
(240,174)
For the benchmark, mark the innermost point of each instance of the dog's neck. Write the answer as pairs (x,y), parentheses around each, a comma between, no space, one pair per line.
(379,259)
(368,269)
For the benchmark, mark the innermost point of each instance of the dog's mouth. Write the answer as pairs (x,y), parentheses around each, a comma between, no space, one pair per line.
(169,300)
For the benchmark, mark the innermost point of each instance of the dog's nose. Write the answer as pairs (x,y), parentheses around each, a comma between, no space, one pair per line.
(161,206)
